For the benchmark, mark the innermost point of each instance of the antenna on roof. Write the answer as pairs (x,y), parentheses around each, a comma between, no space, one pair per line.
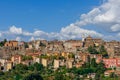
(83,37)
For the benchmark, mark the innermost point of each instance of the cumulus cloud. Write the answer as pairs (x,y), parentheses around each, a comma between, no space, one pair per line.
(72,32)
(27,33)
(15,30)
(115,27)
(105,16)
(40,33)
(18,38)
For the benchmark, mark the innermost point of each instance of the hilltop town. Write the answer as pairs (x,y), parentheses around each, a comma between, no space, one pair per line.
(89,58)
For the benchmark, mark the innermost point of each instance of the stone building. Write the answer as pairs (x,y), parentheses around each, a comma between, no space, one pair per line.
(112,62)
(3,61)
(98,57)
(35,58)
(30,45)
(44,62)
(71,45)
(14,45)
(113,48)
(98,42)
(78,65)
(11,44)
(62,62)
(70,63)
(85,57)
(27,62)
(56,64)
(8,66)
(55,46)
(117,51)
(89,41)
(16,59)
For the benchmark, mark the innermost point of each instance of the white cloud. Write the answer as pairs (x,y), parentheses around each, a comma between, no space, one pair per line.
(115,27)
(0,34)
(32,39)
(39,33)
(39,39)
(72,32)
(27,33)
(15,30)
(18,38)
(105,15)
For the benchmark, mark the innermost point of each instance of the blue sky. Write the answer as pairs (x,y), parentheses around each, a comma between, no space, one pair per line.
(24,19)
(47,15)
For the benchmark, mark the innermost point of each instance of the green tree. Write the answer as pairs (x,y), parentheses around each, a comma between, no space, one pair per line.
(101,68)
(38,66)
(31,68)
(92,50)
(4,41)
(59,76)
(19,67)
(103,51)
(97,76)
(33,76)
(72,70)
(1,44)
(26,45)
(1,73)
(93,62)
(113,75)
(17,77)
(24,57)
